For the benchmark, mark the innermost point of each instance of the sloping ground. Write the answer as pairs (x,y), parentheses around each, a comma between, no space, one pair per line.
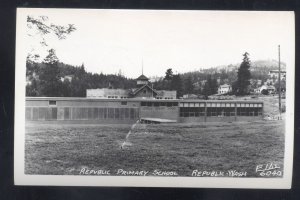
(241,146)
(271,107)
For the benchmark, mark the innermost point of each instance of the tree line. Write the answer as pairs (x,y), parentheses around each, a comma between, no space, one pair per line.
(207,84)
(48,78)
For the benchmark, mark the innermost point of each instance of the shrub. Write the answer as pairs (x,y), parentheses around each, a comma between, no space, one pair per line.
(265,92)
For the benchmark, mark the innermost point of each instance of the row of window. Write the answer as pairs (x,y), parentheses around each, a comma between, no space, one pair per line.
(53,103)
(158,97)
(67,113)
(41,113)
(185,104)
(158,104)
(117,97)
(210,112)
(102,113)
(214,104)
(223,91)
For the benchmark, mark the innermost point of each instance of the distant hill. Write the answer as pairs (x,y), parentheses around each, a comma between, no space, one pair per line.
(74,80)
(259,70)
(270,64)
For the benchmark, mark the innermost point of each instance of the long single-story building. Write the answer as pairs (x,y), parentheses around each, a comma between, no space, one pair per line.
(89,110)
(143,103)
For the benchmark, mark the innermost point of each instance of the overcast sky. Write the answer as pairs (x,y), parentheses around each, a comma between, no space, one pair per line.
(109,40)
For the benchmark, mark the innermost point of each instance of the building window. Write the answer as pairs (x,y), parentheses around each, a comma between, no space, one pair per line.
(124,103)
(249,111)
(175,103)
(145,91)
(52,103)
(162,103)
(143,104)
(192,112)
(169,104)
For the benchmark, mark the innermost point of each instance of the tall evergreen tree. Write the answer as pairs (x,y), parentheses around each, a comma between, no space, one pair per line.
(210,86)
(176,84)
(167,79)
(50,83)
(244,75)
(169,74)
(206,89)
(188,85)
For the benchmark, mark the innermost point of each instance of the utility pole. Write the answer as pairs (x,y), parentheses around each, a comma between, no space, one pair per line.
(142,66)
(279,79)
(152,90)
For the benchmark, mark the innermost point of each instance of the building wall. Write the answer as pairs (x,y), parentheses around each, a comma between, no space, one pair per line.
(82,113)
(130,110)
(83,102)
(142,82)
(162,112)
(224,89)
(145,92)
(166,94)
(275,74)
(83,110)
(220,111)
(107,93)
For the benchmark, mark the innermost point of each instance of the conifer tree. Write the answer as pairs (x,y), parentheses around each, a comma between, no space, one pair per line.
(244,75)
(176,84)
(188,85)
(169,74)
(50,83)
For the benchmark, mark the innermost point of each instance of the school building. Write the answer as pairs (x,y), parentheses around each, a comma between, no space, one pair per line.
(143,103)
(84,110)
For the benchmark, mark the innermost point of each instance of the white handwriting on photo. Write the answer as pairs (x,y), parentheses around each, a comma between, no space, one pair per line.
(268,170)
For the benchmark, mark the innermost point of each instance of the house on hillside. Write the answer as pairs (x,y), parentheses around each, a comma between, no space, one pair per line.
(270,88)
(224,89)
(259,82)
(274,74)
(254,83)
(67,77)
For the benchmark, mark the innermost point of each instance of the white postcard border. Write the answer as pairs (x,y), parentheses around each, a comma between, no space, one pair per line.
(21,178)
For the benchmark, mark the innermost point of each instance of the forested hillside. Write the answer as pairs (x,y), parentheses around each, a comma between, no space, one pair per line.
(64,80)
(206,81)
(61,79)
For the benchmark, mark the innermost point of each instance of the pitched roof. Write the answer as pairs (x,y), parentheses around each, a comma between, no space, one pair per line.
(224,85)
(136,91)
(142,77)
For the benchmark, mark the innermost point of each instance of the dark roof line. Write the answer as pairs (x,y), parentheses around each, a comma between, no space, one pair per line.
(136,91)
(142,77)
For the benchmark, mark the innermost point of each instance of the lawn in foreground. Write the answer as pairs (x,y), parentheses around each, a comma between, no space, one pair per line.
(66,149)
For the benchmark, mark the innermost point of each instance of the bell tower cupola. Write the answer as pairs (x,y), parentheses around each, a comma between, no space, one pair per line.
(142,80)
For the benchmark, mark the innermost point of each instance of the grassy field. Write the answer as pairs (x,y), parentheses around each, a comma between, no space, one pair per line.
(66,149)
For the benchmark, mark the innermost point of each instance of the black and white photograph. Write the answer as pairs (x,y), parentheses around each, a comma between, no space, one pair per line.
(154,98)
